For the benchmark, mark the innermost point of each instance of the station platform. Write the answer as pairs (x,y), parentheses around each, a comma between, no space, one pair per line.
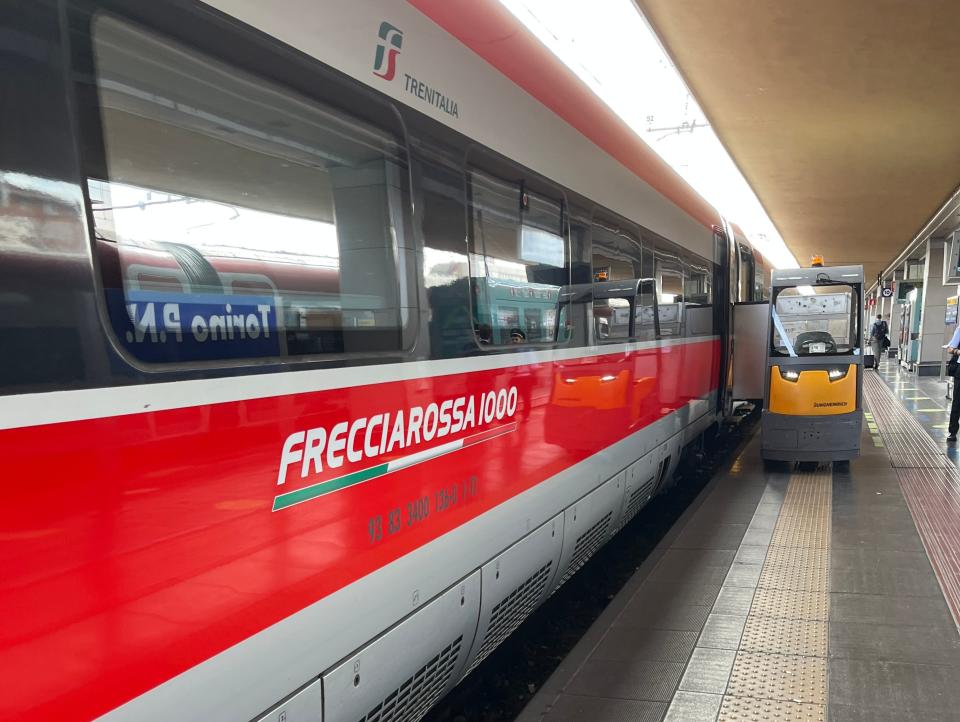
(793,594)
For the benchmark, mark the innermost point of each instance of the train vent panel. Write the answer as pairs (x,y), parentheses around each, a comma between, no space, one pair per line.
(514,584)
(587,526)
(400,675)
(587,544)
(641,485)
(411,700)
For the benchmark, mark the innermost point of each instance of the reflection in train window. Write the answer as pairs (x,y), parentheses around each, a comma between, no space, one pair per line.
(445,271)
(518,262)
(698,296)
(612,317)
(669,279)
(235,218)
(620,257)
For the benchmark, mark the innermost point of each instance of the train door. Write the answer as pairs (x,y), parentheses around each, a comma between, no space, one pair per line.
(724,298)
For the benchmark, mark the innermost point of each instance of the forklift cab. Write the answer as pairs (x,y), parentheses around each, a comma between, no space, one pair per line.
(813,387)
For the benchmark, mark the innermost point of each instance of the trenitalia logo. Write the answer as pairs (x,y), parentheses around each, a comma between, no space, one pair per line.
(385,63)
(389,441)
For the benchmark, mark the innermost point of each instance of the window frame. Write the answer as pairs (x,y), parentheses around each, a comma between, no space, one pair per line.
(642,238)
(287,70)
(480,159)
(665,247)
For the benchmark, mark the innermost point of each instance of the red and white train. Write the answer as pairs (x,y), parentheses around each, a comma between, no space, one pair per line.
(335,337)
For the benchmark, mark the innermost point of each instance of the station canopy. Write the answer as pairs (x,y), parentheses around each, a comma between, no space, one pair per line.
(843,116)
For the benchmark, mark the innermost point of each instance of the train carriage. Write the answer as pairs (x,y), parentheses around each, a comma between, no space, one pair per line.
(271,447)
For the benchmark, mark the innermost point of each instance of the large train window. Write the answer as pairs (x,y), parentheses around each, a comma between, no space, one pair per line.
(519,262)
(624,301)
(234,217)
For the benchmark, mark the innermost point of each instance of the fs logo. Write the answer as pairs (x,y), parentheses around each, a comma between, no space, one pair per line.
(385,63)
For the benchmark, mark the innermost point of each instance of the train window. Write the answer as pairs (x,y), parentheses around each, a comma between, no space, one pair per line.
(235,218)
(519,262)
(446,272)
(576,298)
(621,264)
(698,296)
(668,270)
(617,252)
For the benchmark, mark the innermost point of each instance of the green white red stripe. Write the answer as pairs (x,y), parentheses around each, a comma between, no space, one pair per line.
(307,493)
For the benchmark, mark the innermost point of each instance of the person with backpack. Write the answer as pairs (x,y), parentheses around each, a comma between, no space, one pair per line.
(878,335)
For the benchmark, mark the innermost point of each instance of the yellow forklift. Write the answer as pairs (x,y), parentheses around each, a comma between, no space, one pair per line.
(812,406)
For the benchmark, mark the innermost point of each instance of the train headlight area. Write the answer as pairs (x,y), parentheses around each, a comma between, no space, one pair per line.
(334,341)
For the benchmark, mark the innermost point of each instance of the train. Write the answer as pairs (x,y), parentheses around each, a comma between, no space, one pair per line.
(335,338)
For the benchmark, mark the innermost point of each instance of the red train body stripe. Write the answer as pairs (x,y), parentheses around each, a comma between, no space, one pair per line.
(137,546)
(492,32)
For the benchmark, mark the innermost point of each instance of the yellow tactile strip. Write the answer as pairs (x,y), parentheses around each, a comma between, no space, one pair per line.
(755,709)
(790,604)
(797,556)
(790,678)
(786,636)
(794,578)
(780,671)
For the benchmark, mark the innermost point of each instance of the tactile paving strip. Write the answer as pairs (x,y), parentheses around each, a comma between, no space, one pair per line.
(779,676)
(784,636)
(797,556)
(787,604)
(753,709)
(780,671)
(807,532)
(931,487)
(796,578)
(919,461)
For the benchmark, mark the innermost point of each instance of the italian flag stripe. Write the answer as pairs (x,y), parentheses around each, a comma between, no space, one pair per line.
(298,496)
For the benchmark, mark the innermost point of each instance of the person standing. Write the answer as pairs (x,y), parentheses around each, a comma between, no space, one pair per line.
(954,348)
(878,332)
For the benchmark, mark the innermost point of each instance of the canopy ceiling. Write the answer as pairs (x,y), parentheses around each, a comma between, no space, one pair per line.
(843,115)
